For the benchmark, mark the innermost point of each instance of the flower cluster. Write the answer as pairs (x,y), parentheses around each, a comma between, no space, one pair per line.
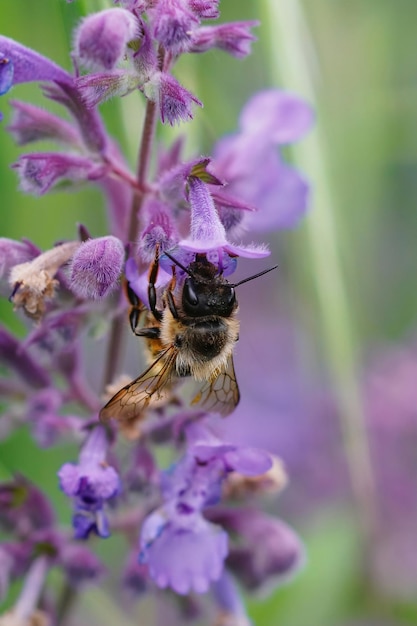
(175,233)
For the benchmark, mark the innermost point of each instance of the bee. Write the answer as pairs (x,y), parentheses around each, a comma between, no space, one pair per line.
(194,334)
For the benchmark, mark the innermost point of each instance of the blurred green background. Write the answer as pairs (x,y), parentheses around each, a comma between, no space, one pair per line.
(351,264)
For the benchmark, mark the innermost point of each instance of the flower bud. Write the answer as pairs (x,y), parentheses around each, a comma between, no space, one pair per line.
(40,171)
(31,123)
(96,267)
(101,39)
(172,25)
(234,38)
(173,100)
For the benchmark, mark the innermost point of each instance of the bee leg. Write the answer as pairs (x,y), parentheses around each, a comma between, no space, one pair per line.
(153,274)
(136,307)
(148,333)
(170,299)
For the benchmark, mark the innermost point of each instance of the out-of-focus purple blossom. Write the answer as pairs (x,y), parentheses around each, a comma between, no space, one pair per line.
(234,37)
(172,25)
(142,475)
(17,358)
(96,267)
(250,162)
(100,40)
(229,602)
(24,509)
(48,426)
(81,565)
(185,554)
(170,536)
(31,123)
(265,551)
(39,171)
(390,401)
(135,575)
(206,446)
(90,483)
(174,101)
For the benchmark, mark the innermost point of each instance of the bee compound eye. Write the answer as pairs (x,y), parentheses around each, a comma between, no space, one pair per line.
(189,294)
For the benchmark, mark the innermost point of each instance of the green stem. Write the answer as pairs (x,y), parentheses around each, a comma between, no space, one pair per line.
(290,54)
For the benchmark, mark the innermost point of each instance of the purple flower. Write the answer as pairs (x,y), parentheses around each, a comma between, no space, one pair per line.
(24,509)
(135,575)
(47,424)
(160,229)
(31,123)
(28,65)
(90,483)
(81,566)
(182,549)
(234,38)
(173,23)
(140,282)
(38,172)
(229,601)
(207,233)
(186,557)
(173,100)
(265,551)
(101,39)
(96,267)
(96,88)
(249,161)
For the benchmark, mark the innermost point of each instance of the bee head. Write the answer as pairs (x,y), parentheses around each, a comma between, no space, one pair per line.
(203,298)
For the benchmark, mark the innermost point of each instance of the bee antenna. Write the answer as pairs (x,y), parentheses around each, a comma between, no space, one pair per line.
(245,280)
(180,265)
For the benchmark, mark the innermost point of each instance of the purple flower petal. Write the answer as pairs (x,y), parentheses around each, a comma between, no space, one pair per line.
(30,66)
(276,116)
(207,232)
(188,560)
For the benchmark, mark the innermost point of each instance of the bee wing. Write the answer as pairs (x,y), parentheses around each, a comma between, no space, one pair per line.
(221,394)
(132,400)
